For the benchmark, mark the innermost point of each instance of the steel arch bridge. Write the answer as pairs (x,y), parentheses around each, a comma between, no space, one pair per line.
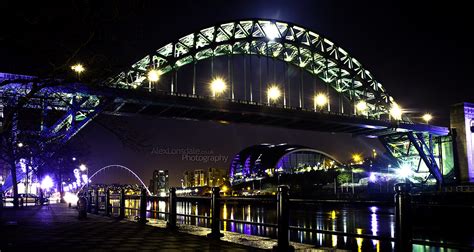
(289,43)
(131,92)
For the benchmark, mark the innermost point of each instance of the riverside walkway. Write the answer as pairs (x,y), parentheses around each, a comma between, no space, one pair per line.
(57,228)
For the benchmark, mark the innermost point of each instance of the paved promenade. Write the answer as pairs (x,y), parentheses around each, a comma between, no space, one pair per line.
(57,228)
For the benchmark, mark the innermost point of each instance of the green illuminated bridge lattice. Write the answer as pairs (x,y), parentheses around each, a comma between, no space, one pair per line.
(283,41)
(333,91)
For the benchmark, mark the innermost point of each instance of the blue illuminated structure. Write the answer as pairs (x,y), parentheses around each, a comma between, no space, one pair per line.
(266,160)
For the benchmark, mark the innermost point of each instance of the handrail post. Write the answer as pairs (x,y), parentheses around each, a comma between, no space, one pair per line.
(171,224)
(122,204)
(216,210)
(142,218)
(89,201)
(96,195)
(402,217)
(107,202)
(283,219)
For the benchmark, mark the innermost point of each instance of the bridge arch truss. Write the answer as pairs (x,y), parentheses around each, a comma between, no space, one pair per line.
(290,43)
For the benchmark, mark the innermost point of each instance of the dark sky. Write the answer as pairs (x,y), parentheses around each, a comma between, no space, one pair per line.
(420,50)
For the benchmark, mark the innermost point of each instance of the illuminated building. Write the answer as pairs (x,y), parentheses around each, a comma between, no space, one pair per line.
(200,177)
(266,160)
(216,176)
(159,184)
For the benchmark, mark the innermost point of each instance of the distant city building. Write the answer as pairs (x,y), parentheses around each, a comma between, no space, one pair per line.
(201,177)
(160,182)
(188,179)
(216,176)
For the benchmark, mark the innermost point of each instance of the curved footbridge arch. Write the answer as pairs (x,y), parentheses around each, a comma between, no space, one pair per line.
(120,167)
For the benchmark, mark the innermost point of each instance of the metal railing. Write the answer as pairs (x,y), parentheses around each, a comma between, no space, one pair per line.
(403,237)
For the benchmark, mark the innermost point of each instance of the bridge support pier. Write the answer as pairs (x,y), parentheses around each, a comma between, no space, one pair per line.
(216,209)
(402,218)
(283,219)
(142,218)
(171,224)
(122,204)
(107,202)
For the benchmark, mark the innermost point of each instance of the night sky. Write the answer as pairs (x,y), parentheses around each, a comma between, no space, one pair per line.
(420,51)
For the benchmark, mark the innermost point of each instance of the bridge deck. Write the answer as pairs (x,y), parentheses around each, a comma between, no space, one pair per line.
(129,102)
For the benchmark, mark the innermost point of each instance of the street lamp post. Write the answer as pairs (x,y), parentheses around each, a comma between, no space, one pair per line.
(83,167)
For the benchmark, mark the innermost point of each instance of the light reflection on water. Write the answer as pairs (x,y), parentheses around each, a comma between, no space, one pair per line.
(377,221)
(361,220)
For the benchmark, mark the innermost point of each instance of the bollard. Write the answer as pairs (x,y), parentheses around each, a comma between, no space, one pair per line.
(171,224)
(89,201)
(122,204)
(402,217)
(142,218)
(107,202)
(216,209)
(96,195)
(82,207)
(283,219)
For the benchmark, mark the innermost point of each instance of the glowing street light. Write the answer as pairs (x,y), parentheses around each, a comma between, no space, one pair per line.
(224,188)
(218,86)
(404,171)
(47,183)
(82,167)
(361,106)
(20,144)
(427,117)
(357,158)
(78,68)
(154,75)
(273,94)
(396,112)
(320,100)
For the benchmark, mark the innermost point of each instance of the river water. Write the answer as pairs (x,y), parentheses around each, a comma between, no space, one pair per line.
(363,219)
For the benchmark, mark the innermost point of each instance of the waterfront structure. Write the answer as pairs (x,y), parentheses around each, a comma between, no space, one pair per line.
(159,184)
(262,161)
